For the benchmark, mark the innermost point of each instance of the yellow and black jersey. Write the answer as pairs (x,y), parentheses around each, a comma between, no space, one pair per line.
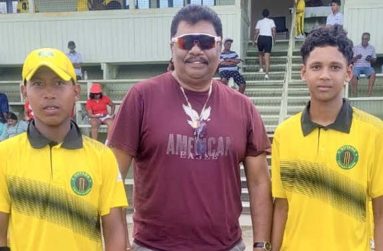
(56,193)
(328,176)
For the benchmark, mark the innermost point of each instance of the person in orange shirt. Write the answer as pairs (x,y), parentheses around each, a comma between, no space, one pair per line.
(97,109)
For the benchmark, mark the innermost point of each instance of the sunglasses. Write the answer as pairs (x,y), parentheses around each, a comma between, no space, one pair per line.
(204,41)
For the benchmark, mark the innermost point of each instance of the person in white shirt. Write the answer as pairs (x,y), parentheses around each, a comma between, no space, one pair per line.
(264,36)
(335,17)
(75,58)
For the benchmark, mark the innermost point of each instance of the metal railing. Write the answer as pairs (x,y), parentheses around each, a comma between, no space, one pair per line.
(287,79)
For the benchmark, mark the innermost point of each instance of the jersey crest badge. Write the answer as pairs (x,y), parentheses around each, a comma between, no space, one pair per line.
(81,183)
(347,156)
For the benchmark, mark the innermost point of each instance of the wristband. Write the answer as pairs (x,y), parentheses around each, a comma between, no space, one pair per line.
(5,249)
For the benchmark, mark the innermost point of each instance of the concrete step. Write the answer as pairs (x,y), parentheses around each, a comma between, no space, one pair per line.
(298,92)
(291,110)
(264,84)
(297,101)
(273,60)
(255,68)
(261,76)
(254,52)
(263,92)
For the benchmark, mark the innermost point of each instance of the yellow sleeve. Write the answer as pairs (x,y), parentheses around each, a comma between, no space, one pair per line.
(112,191)
(376,172)
(5,200)
(277,187)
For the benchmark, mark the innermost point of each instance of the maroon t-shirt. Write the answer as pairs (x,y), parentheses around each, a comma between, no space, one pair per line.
(182,200)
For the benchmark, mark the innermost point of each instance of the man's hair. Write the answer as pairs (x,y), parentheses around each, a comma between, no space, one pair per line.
(192,14)
(265,13)
(12,116)
(71,43)
(366,33)
(333,35)
(336,1)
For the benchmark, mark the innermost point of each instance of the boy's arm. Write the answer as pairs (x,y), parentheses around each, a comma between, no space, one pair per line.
(4,218)
(114,230)
(377,205)
(281,209)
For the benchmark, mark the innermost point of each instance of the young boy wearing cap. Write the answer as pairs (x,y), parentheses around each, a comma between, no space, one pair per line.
(56,185)
(97,109)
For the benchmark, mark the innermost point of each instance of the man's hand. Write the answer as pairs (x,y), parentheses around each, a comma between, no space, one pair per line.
(368,58)
(359,56)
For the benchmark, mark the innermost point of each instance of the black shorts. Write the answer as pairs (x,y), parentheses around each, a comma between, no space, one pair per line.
(238,78)
(265,43)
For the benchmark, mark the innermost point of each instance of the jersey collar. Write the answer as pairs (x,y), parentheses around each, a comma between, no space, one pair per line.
(73,139)
(342,123)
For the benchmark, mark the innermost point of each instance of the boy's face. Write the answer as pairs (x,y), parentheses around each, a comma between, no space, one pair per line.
(326,71)
(51,98)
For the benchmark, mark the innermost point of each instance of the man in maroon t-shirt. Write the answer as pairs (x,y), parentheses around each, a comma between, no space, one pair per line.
(188,134)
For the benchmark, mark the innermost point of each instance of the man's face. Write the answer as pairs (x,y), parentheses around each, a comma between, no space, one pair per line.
(365,39)
(325,72)
(334,7)
(51,98)
(195,65)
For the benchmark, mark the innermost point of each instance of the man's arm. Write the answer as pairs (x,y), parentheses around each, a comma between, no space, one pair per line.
(377,206)
(256,34)
(114,231)
(259,186)
(4,218)
(274,33)
(281,209)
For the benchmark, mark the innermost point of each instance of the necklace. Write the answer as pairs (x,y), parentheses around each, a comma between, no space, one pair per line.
(196,118)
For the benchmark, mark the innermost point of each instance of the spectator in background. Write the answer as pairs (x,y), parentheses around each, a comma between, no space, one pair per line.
(83,5)
(299,19)
(228,66)
(335,17)
(364,55)
(75,58)
(264,36)
(13,127)
(97,109)
(4,107)
(28,113)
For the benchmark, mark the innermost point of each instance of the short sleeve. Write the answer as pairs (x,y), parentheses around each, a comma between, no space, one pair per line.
(5,202)
(272,23)
(257,139)
(276,182)
(373,52)
(376,173)
(126,130)
(258,26)
(112,191)
(88,105)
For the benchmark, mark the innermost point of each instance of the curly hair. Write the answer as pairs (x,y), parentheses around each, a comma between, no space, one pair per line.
(333,35)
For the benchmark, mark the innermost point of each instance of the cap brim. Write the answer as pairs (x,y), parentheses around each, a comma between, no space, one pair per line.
(61,73)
